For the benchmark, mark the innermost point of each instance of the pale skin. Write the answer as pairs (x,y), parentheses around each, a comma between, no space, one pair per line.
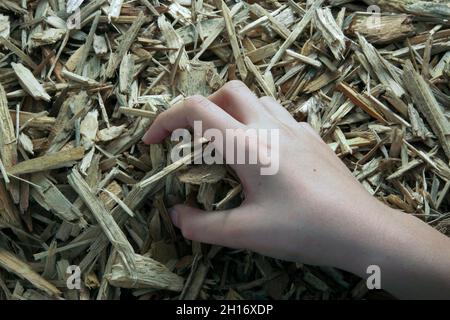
(313,210)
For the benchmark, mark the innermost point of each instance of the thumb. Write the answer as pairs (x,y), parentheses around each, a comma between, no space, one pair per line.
(225,228)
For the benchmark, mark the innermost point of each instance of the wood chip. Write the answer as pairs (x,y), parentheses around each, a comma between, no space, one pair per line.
(48,162)
(105,220)
(124,46)
(13,264)
(29,83)
(425,100)
(8,142)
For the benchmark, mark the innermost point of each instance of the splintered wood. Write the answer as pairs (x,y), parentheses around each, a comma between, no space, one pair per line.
(78,187)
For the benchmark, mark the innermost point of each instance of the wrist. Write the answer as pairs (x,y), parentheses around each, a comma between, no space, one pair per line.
(413,258)
(369,240)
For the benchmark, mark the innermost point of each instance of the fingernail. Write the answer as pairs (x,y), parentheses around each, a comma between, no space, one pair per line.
(173,215)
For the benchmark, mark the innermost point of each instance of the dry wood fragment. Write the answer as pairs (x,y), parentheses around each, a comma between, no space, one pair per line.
(111,195)
(114,8)
(46,37)
(425,100)
(298,29)
(331,32)
(51,198)
(99,45)
(391,28)
(381,67)
(105,220)
(110,133)
(233,40)
(388,114)
(13,6)
(127,40)
(150,7)
(203,174)
(17,51)
(402,170)
(73,5)
(276,25)
(260,21)
(199,78)
(77,78)
(138,112)
(88,129)
(438,47)
(359,101)
(439,69)
(126,73)
(304,59)
(25,143)
(47,162)
(173,41)
(148,274)
(88,44)
(396,102)
(29,83)
(264,52)
(13,264)
(418,125)
(73,109)
(417,7)
(195,281)
(322,81)
(148,186)
(259,78)
(8,143)
(129,139)
(8,211)
(88,9)
(342,141)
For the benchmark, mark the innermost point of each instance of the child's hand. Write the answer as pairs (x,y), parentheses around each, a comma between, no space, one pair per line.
(309,211)
(313,210)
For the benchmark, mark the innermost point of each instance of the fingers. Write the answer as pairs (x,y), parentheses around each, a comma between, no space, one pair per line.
(228,108)
(223,228)
(183,115)
(238,101)
(277,110)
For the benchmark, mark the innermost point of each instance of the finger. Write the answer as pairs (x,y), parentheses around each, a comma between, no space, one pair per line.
(223,228)
(183,115)
(277,110)
(238,101)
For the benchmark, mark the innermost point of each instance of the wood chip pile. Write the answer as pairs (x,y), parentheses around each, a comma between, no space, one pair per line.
(81,81)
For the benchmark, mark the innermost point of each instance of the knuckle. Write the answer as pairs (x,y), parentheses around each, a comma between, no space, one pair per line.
(197,101)
(233,85)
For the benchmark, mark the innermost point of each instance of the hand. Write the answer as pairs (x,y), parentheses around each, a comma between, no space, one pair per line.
(313,210)
(303,213)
